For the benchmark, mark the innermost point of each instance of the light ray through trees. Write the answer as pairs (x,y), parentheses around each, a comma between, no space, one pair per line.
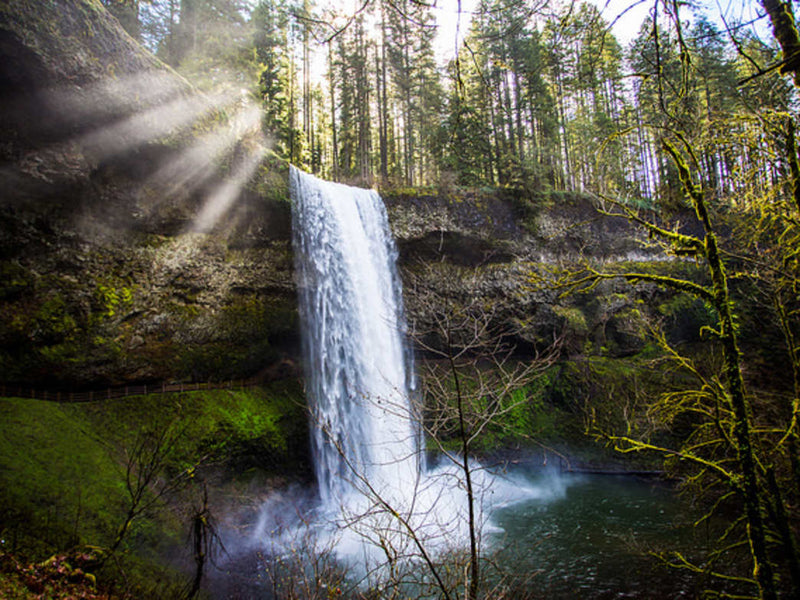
(192,167)
(220,201)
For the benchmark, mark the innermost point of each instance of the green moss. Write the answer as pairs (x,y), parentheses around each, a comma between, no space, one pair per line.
(611,395)
(271,182)
(60,326)
(112,299)
(56,477)
(53,319)
(219,424)
(527,418)
(244,331)
(518,419)
(574,317)
(62,467)
(14,280)
(668,268)
(407,192)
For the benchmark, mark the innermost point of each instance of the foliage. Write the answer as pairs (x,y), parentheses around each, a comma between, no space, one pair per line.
(60,577)
(724,437)
(62,469)
(60,485)
(473,390)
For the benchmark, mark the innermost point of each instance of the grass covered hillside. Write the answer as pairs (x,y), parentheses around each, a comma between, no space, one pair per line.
(120,483)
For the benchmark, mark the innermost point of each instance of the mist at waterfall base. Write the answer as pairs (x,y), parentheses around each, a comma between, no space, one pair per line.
(377,502)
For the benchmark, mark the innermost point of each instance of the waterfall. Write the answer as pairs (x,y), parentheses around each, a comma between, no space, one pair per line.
(376,497)
(364,438)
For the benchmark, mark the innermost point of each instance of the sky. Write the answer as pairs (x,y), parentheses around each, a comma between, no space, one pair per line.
(447,16)
(625,15)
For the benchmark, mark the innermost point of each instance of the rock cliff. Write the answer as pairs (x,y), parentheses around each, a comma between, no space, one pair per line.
(106,277)
(499,253)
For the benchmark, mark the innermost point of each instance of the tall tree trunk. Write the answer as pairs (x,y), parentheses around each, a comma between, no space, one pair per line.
(409,125)
(293,150)
(497,150)
(362,106)
(566,170)
(508,113)
(742,436)
(332,87)
(384,105)
(307,118)
(784,28)
(518,114)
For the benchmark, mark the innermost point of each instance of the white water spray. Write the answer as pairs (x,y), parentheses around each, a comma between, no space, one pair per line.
(379,504)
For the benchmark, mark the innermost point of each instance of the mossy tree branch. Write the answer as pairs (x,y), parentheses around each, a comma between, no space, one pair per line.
(726,444)
(784,28)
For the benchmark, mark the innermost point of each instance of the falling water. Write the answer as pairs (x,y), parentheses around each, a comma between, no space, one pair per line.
(376,496)
(364,438)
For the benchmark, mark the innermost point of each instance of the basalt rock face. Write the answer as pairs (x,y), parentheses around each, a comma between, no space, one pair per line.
(500,226)
(104,276)
(496,255)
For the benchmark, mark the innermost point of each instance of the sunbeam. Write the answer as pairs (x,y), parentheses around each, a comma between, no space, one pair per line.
(115,98)
(224,196)
(191,168)
(151,124)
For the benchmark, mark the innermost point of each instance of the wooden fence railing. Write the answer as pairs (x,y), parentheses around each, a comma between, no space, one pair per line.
(123,391)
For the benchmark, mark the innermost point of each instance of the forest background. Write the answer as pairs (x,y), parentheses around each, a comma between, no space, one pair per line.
(536,95)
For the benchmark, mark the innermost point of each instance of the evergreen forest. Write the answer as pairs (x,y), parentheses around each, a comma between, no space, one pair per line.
(535,95)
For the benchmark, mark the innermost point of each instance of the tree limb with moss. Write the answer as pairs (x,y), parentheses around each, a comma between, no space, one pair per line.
(725,443)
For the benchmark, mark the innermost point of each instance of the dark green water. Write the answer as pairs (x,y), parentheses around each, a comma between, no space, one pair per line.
(591,538)
(576,537)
